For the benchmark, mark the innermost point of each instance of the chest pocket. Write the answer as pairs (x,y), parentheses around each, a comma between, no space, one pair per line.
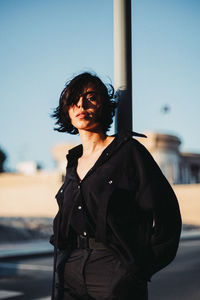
(110,179)
(105,180)
(103,185)
(114,186)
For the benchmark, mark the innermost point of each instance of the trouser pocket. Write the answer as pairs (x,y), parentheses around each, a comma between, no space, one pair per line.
(127,286)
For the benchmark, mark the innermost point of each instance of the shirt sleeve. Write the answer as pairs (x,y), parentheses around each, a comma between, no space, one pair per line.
(155,194)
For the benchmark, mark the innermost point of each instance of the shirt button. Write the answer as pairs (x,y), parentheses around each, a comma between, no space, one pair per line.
(84,233)
(110,182)
(79,207)
(61,190)
(107,153)
(78,186)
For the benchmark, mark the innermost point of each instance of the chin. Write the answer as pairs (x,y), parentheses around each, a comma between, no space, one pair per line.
(88,127)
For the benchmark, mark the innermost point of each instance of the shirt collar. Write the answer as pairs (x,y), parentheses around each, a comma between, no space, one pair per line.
(120,138)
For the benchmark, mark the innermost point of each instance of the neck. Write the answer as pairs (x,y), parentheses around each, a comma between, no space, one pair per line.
(92,141)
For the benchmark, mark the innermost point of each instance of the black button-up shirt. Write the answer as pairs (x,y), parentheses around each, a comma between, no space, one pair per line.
(81,221)
(129,202)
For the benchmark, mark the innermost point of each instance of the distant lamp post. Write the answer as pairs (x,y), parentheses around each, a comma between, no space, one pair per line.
(165,109)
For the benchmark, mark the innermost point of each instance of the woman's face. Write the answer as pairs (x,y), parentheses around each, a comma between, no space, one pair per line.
(85,113)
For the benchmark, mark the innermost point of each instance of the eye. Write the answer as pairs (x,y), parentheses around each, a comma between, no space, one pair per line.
(91,98)
(71,105)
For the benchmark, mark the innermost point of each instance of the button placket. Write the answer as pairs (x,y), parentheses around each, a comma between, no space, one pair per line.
(79,184)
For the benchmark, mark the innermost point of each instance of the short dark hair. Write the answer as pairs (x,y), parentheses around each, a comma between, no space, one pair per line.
(71,93)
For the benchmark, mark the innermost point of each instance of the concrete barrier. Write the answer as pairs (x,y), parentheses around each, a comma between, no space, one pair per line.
(33,195)
(189,201)
(27,196)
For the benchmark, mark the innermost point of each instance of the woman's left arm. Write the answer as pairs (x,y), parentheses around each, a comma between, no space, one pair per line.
(156,194)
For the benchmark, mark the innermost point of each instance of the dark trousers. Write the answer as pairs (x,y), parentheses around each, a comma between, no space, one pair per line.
(99,274)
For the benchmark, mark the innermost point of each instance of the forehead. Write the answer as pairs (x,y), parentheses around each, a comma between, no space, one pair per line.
(89,88)
(83,90)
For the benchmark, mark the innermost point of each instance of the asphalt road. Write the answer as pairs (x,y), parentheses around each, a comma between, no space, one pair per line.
(181,279)
(31,278)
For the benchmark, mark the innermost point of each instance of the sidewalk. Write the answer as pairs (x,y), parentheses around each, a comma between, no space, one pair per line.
(193,234)
(25,249)
(44,248)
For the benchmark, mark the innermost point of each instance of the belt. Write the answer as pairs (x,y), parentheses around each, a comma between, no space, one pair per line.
(84,242)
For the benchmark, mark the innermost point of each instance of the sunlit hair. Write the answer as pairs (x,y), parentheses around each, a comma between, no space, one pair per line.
(70,95)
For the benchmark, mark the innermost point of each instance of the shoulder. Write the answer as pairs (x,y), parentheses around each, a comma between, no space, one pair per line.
(75,150)
(140,157)
(74,153)
(135,146)
(131,150)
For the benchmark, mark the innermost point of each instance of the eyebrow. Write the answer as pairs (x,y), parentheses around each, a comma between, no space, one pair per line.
(90,92)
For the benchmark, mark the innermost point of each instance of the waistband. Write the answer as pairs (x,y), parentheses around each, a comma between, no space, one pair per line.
(84,242)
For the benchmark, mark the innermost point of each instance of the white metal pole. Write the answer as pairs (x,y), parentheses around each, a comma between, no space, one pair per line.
(123,63)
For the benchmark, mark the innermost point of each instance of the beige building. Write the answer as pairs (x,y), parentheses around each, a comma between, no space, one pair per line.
(179,167)
(33,194)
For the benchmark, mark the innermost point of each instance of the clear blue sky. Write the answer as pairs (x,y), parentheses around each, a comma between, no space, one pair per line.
(45,42)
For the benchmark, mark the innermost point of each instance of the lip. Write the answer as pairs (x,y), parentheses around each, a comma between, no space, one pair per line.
(81,115)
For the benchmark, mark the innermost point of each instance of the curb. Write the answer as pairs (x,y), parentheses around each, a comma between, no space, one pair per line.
(25,255)
(192,235)
(185,236)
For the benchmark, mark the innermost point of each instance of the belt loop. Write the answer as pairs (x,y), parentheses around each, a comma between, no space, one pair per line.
(82,242)
(88,243)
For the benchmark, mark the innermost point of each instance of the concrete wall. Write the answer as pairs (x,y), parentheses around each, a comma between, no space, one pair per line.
(34,196)
(29,195)
(189,201)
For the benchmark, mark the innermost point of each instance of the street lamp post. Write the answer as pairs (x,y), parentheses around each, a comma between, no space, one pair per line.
(123,63)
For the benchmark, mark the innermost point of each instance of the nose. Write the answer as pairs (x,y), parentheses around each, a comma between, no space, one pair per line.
(81,103)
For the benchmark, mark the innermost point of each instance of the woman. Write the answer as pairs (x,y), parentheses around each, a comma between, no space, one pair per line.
(118,221)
